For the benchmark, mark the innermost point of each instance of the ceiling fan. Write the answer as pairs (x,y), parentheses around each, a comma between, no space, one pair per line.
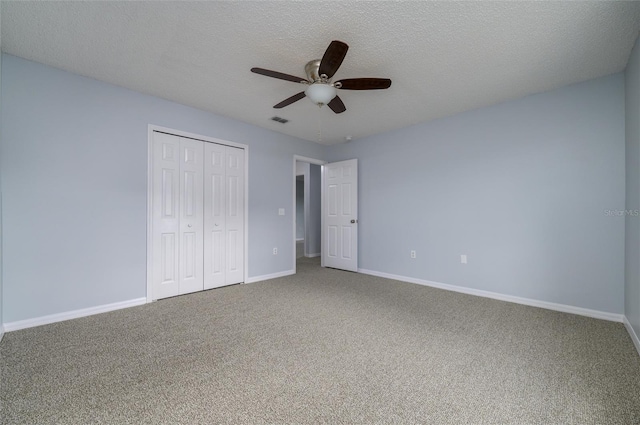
(320,89)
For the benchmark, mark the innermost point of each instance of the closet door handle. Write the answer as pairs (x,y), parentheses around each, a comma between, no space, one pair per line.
(188,225)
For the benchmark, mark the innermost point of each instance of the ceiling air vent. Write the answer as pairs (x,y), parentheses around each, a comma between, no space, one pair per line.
(280,120)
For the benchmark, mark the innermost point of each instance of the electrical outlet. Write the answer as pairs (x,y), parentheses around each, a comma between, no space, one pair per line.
(275,251)
(413,254)
(280,211)
(463,258)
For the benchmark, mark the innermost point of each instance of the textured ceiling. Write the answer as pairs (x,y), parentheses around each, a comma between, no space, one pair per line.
(443,57)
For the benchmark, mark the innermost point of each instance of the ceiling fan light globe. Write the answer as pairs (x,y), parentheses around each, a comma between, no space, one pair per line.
(320,93)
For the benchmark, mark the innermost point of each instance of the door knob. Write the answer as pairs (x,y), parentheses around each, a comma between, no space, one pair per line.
(354,221)
(188,225)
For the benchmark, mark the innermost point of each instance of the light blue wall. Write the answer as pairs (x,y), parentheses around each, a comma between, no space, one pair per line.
(632,239)
(74,174)
(313,226)
(520,187)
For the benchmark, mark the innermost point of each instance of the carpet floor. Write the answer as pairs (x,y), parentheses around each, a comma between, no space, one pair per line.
(322,346)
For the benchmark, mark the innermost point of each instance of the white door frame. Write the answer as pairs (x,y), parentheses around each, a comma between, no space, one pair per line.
(180,133)
(293,209)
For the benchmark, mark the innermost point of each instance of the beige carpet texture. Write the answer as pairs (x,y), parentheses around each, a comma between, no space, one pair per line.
(322,347)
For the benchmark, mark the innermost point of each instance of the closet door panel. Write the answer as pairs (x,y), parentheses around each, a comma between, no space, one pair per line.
(214,215)
(191,215)
(235,210)
(165,215)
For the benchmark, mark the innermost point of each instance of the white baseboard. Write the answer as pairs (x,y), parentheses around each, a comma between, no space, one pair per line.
(1,332)
(269,276)
(502,297)
(317,254)
(59,317)
(632,334)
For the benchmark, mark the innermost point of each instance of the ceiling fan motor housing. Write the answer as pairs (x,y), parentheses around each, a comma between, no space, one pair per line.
(311,68)
(320,91)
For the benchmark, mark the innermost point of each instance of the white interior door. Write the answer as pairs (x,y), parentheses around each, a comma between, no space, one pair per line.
(340,215)
(165,215)
(191,215)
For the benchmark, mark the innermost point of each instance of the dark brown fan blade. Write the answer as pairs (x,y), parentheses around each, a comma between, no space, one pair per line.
(332,58)
(365,83)
(278,75)
(289,101)
(336,105)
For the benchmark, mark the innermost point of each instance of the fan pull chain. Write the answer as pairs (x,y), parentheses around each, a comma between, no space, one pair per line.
(320,123)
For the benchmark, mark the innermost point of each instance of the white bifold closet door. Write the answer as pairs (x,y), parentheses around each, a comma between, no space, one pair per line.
(198,215)
(224,215)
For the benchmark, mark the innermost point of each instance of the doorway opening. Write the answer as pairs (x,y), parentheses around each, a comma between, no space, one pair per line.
(300,224)
(307,205)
